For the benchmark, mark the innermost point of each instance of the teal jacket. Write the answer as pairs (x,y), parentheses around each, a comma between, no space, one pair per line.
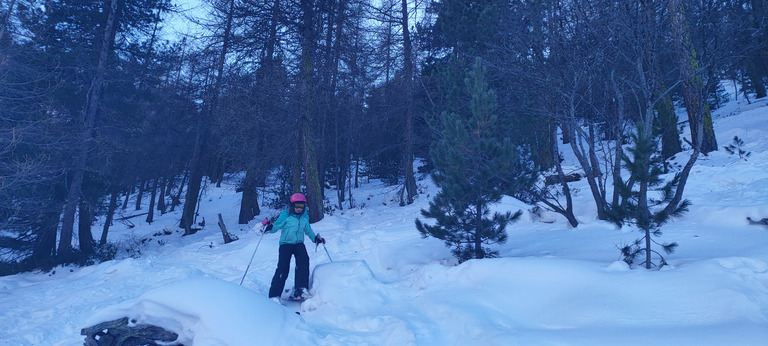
(294,227)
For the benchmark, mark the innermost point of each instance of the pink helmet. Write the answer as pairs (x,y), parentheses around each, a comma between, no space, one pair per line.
(297,197)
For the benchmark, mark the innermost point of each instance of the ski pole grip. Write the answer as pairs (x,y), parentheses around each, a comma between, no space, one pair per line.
(266,220)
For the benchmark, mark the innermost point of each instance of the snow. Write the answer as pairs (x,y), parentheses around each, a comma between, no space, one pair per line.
(380,283)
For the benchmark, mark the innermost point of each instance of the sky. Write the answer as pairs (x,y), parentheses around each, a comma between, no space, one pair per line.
(381,283)
(182,22)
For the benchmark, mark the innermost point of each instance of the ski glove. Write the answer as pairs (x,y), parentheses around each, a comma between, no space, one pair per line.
(268,228)
(319,240)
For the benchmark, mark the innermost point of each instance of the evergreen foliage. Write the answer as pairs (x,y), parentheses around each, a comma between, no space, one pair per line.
(476,164)
(231,99)
(736,148)
(639,207)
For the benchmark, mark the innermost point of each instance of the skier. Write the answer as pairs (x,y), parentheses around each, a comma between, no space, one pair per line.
(294,223)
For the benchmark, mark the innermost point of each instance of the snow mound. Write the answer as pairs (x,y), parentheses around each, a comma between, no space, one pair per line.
(206,311)
(343,283)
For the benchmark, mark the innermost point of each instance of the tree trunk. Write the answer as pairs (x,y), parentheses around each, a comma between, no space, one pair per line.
(151,213)
(688,65)
(670,139)
(694,95)
(140,194)
(478,238)
(110,215)
(176,199)
(193,190)
(169,183)
(567,133)
(218,174)
(409,184)
(619,139)
(306,92)
(161,196)
(196,174)
(586,157)
(224,233)
(643,217)
(314,185)
(272,37)
(566,211)
(349,190)
(70,207)
(44,250)
(249,203)
(340,169)
(89,116)
(756,78)
(709,141)
(84,229)
(127,197)
(357,174)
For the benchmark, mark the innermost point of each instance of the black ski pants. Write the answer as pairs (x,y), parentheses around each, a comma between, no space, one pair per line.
(301,274)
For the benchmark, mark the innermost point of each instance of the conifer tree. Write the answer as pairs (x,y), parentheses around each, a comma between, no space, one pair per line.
(646,200)
(475,165)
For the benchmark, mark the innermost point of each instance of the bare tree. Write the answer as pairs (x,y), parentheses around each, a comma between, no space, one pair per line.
(409,183)
(202,132)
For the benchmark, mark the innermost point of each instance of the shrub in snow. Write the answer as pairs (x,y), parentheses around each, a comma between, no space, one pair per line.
(735,148)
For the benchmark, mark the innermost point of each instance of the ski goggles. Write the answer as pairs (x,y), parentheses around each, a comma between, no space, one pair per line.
(298,205)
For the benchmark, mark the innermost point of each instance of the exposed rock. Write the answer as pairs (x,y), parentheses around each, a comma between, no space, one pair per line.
(120,333)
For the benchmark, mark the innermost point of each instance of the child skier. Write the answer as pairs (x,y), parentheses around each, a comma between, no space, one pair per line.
(294,223)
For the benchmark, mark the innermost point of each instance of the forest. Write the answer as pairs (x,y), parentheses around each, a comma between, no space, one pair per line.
(97,107)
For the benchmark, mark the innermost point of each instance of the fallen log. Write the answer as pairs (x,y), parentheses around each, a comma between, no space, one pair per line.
(131,216)
(228,238)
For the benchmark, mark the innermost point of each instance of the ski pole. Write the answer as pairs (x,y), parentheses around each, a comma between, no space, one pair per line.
(263,225)
(326,252)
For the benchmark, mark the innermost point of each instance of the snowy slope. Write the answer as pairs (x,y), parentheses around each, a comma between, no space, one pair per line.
(385,285)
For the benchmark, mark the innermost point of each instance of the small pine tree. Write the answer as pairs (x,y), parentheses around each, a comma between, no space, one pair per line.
(475,165)
(736,148)
(638,206)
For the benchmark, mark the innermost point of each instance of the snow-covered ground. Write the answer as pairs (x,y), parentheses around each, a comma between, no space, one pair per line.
(385,285)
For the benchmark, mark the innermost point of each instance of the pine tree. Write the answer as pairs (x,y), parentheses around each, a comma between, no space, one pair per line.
(475,165)
(646,200)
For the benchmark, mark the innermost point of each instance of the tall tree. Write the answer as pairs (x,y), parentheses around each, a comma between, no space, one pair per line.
(197,164)
(81,38)
(268,95)
(691,74)
(306,89)
(475,164)
(89,112)
(409,183)
(31,173)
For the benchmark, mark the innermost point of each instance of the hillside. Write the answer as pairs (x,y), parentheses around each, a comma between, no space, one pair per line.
(380,283)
